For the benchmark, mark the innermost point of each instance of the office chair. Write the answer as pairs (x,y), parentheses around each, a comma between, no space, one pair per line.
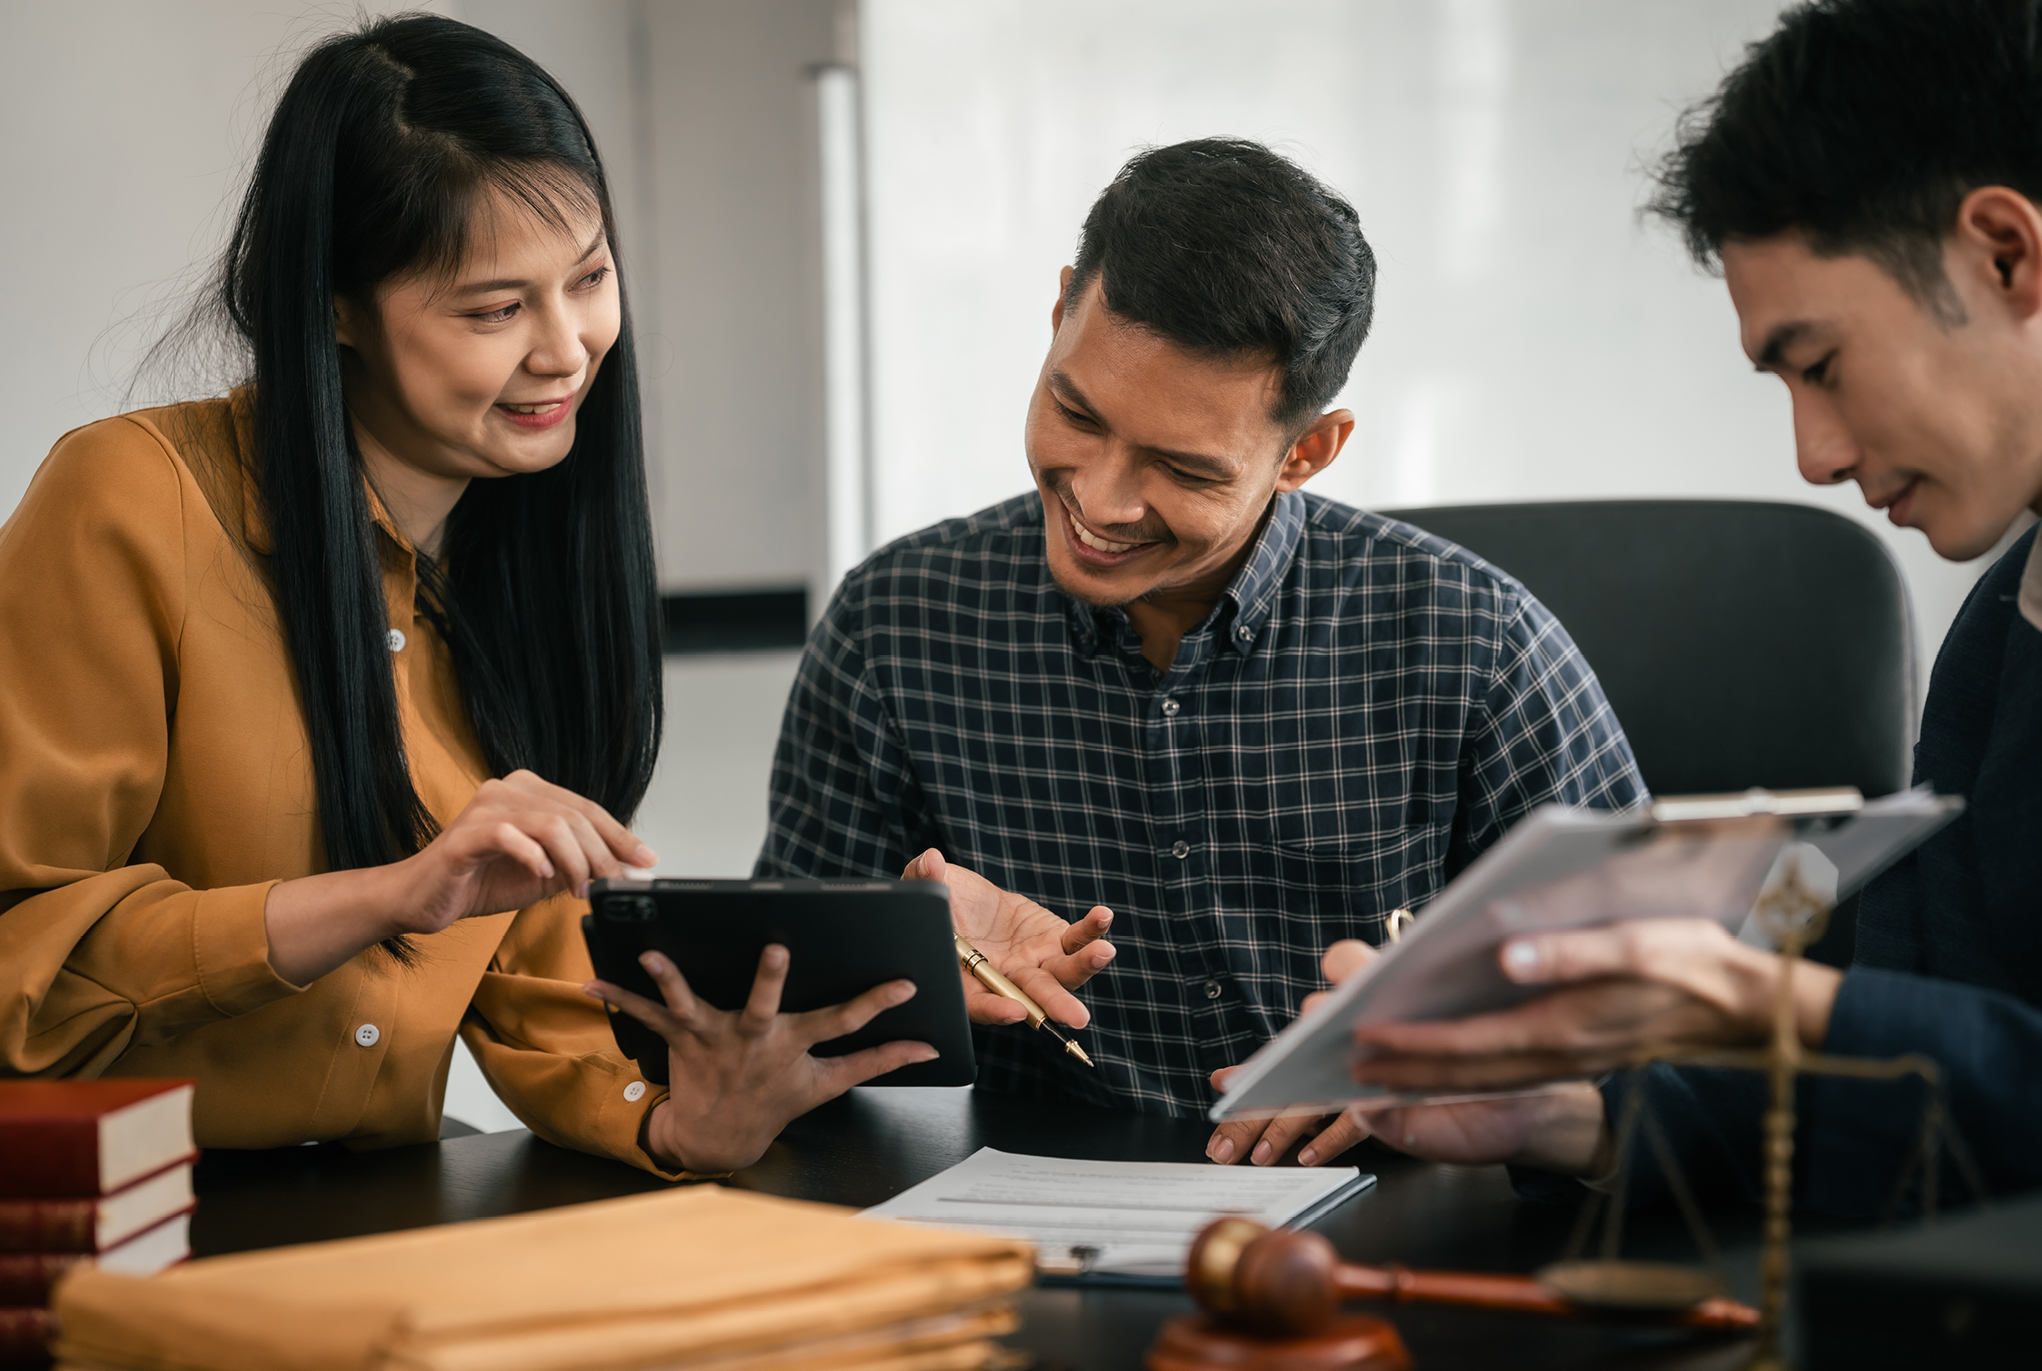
(1741,642)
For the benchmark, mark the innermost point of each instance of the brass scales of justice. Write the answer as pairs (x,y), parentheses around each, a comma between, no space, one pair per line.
(1272,1299)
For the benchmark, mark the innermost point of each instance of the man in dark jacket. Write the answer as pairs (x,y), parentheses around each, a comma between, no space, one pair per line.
(1870,183)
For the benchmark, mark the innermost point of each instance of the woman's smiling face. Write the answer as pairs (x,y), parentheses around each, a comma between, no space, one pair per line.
(479,372)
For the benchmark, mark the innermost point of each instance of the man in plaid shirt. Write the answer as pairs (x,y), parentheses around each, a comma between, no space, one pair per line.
(1248,720)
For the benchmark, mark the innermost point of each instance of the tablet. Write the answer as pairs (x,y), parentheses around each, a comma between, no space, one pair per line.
(842,937)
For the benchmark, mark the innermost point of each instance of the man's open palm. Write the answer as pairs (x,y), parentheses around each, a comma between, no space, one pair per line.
(1044,955)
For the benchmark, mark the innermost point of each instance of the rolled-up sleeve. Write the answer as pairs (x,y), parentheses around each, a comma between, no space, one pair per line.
(98,953)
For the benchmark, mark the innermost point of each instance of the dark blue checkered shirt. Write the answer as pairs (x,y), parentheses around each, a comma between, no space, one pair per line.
(1365,709)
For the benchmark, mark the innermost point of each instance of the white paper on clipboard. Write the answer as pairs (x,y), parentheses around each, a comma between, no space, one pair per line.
(1559,868)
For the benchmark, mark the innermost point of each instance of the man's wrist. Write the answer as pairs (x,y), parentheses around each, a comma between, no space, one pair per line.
(1572,1134)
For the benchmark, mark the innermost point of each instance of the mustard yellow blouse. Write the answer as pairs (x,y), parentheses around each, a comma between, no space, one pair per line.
(155,781)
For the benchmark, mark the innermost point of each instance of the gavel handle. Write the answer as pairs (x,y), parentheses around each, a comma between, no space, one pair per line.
(1522,1294)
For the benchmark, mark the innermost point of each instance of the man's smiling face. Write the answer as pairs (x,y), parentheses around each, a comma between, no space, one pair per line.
(1155,464)
(1939,422)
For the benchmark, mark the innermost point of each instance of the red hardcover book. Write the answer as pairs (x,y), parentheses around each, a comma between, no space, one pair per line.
(25,1336)
(26,1278)
(93,1225)
(80,1138)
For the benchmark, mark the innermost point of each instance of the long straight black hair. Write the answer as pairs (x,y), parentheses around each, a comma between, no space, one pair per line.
(384,151)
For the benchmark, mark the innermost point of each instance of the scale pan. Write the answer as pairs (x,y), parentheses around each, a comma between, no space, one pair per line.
(1630,1285)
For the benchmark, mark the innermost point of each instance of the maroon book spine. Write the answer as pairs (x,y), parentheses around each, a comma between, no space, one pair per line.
(49,1225)
(26,1277)
(50,1156)
(25,1336)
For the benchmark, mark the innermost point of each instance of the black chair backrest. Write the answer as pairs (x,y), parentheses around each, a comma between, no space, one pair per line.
(1742,643)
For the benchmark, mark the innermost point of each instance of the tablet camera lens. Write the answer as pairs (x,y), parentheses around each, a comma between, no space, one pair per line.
(631,908)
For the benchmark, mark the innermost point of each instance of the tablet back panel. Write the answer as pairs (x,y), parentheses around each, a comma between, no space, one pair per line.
(843,937)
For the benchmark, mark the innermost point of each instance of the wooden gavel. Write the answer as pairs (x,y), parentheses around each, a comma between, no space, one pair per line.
(1285,1283)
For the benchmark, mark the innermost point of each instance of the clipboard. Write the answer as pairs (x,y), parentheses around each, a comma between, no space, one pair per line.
(1560,868)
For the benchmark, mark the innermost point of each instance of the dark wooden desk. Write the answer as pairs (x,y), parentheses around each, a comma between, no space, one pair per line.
(875,1143)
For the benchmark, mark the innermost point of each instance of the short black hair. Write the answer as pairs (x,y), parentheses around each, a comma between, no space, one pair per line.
(1863,124)
(1225,248)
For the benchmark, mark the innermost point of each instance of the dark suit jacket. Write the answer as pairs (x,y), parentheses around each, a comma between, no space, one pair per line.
(1949,964)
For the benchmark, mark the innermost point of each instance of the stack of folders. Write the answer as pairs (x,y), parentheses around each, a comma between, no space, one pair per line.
(699,1277)
(95,1173)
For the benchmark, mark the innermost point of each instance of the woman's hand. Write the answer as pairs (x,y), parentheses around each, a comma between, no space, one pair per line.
(738,1078)
(1625,989)
(1032,947)
(518,841)
(1265,1141)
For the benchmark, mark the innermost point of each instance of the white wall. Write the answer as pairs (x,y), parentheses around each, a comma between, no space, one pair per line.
(1533,340)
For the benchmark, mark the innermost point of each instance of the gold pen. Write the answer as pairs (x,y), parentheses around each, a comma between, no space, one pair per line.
(975,962)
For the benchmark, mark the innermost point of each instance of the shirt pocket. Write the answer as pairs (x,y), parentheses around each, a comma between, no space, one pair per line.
(1320,893)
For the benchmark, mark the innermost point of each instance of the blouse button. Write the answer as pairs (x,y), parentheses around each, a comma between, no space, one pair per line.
(635,1091)
(368,1034)
(1244,633)
(1180,849)
(1213,990)
(395,638)
(1171,706)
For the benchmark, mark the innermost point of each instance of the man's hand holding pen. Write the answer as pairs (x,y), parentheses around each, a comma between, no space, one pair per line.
(1047,957)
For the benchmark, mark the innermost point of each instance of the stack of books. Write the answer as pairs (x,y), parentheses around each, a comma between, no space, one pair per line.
(95,1173)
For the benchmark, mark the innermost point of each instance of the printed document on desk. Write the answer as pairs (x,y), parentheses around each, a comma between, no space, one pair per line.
(1115,1220)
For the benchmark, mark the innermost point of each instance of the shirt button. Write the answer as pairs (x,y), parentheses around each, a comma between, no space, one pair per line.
(1180,849)
(635,1091)
(1244,633)
(395,638)
(1213,990)
(368,1034)
(1171,706)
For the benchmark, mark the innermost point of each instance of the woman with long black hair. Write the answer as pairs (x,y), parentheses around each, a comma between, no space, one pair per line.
(283,671)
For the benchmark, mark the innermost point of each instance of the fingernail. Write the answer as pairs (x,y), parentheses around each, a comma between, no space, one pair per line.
(546,869)
(1260,1156)
(905,991)
(1521,959)
(776,956)
(928,1054)
(1220,1150)
(581,891)
(592,990)
(652,961)
(1308,1157)
(646,857)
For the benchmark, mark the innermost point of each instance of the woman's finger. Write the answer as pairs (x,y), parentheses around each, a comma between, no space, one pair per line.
(504,839)
(1344,1132)
(620,841)
(550,829)
(653,1016)
(821,1025)
(835,1075)
(926,867)
(673,987)
(602,863)
(763,1004)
